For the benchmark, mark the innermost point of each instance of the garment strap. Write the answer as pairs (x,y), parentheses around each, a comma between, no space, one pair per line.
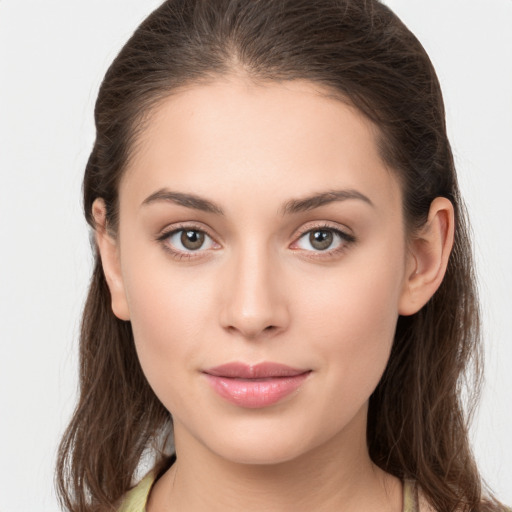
(410,496)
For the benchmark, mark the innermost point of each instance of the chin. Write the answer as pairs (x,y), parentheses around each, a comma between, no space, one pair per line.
(261,454)
(264,443)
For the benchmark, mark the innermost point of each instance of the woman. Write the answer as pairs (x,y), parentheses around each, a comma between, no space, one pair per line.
(283,270)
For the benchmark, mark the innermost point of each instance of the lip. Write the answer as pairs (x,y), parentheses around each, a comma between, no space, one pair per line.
(255,386)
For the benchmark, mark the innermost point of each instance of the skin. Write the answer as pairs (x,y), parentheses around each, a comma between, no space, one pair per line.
(260,290)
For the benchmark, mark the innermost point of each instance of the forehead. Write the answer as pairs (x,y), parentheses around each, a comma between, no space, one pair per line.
(279,139)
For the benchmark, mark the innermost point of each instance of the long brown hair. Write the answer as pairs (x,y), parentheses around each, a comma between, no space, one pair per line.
(361,52)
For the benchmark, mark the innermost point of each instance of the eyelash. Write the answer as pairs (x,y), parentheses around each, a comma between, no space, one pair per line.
(347,240)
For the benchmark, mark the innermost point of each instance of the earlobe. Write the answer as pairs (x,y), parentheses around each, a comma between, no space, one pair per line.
(108,250)
(430,250)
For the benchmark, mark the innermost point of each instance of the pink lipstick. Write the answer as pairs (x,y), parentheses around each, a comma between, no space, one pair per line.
(255,386)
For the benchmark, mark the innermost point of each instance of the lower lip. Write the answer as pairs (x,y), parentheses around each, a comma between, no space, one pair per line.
(256,393)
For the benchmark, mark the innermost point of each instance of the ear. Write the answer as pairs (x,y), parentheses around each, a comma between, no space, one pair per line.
(430,250)
(109,253)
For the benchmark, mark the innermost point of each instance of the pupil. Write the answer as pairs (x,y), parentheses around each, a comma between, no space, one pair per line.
(321,239)
(192,239)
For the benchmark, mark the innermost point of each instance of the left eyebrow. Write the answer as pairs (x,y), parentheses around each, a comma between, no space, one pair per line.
(323,198)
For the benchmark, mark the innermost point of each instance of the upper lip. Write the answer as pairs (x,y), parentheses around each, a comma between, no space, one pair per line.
(257,371)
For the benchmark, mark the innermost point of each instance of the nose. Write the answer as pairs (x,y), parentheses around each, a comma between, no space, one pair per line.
(254,301)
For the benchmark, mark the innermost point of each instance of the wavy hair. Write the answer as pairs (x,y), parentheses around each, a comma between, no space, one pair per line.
(362,53)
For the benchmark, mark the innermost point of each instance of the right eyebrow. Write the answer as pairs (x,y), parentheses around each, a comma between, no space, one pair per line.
(182,199)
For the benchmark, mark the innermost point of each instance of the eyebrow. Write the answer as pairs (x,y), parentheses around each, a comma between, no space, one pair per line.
(292,206)
(188,200)
(317,200)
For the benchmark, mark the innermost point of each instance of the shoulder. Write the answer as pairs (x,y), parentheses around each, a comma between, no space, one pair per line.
(423,504)
(136,498)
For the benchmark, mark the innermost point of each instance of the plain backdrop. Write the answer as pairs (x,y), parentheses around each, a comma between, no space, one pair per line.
(53,55)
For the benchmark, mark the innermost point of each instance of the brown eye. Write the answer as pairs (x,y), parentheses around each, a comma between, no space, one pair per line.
(192,239)
(321,239)
(188,240)
(324,239)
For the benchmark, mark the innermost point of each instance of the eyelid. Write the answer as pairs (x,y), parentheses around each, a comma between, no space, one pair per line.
(345,231)
(182,226)
(168,231)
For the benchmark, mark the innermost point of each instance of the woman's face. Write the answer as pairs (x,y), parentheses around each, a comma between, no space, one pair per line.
(263,266)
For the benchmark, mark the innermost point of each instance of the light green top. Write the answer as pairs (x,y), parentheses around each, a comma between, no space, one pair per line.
(135,499)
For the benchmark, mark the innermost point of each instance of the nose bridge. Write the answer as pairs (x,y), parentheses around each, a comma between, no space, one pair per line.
(254,302)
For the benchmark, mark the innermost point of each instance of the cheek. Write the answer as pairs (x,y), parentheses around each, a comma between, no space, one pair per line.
(162,310)
(351,319)
(167,312)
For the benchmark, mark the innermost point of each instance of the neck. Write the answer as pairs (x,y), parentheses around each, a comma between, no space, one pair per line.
(335,476)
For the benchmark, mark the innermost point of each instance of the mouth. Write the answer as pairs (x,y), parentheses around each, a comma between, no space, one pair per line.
(255,386)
